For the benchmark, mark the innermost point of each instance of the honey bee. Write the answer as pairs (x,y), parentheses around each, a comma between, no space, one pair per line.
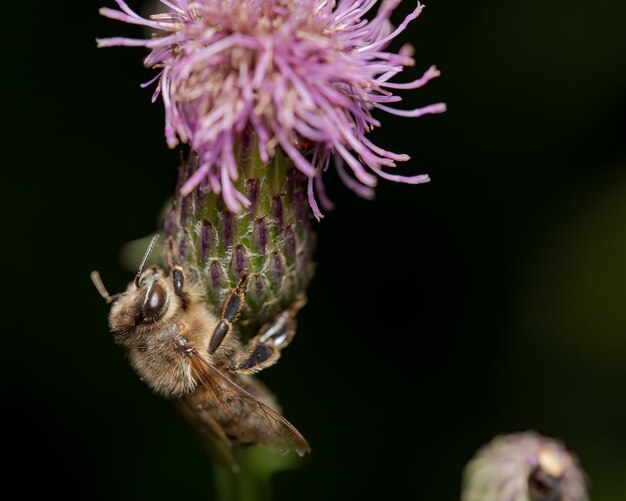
(194,357)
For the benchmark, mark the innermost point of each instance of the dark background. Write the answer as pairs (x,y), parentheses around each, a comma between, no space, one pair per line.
(488,301)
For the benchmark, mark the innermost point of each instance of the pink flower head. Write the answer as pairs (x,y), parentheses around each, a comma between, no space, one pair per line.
(302,75)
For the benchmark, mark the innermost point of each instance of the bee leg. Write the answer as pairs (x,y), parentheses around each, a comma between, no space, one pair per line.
(230,313)
(171,254)
(176,271)
(264,349)
(178,279)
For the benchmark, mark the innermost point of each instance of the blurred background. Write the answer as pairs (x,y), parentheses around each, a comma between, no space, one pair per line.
(491,300)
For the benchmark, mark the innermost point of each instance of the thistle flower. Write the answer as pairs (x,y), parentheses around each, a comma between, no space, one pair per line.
(524,467)
(302,76)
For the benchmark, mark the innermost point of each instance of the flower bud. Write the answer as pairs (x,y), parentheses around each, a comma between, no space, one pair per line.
(524,467)
(272,239)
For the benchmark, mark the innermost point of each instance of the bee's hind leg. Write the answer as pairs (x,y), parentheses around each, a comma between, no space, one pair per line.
(264,349)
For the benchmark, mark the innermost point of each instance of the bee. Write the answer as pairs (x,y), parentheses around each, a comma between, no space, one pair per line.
(194,357)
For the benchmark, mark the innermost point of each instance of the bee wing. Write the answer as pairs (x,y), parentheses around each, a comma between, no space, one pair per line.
(255,422)
(210,433)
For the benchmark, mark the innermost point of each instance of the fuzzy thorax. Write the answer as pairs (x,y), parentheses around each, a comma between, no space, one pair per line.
(149,319)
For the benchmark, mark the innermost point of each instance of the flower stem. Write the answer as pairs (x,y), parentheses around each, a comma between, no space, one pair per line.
(253,480)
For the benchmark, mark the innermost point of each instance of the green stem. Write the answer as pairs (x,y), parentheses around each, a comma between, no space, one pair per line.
(253,480)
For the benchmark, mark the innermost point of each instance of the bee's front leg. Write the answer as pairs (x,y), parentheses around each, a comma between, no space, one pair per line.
(264,349)
(176,271)
(231,312)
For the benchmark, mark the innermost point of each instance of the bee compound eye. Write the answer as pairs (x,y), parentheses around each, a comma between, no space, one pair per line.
(155,301)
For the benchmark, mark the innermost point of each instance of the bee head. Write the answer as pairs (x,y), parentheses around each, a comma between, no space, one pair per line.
(152,297)
(144,306)
(144,303)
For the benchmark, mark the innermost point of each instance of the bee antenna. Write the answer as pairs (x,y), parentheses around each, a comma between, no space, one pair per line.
(145,258)
(97,281)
